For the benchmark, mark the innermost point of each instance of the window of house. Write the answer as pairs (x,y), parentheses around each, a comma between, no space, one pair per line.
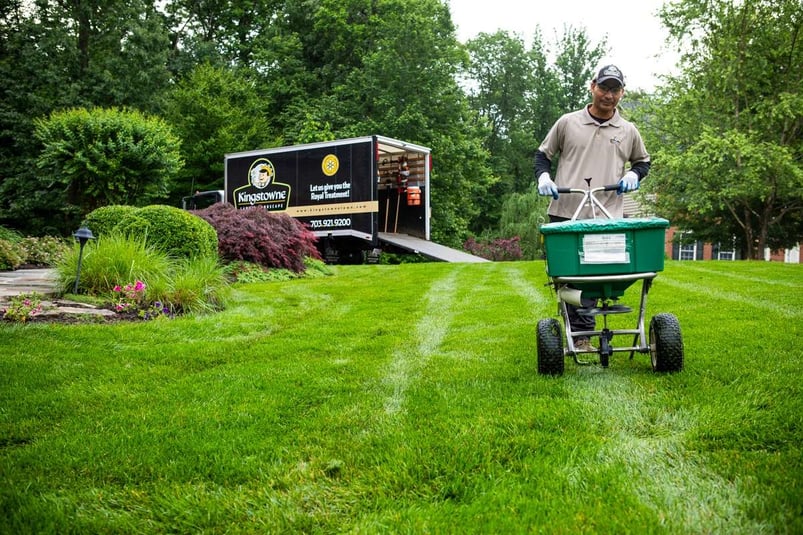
(688,246)
(726,251)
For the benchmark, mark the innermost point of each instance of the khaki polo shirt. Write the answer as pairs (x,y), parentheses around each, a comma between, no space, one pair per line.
(589,149)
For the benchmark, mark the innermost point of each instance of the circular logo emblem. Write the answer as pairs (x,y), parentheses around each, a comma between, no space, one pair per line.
(330,164)
(262,173)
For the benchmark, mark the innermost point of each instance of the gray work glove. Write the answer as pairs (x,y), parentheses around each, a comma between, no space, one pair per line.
(629,182)
(546,186)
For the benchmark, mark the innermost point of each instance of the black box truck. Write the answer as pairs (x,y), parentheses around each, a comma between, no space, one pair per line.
(359,196)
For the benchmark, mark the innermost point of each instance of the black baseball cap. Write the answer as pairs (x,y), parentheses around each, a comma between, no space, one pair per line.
(610,72)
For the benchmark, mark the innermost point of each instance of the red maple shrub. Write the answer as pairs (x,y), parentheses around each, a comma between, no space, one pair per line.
(257,235)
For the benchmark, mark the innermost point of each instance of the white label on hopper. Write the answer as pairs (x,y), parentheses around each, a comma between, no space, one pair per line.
(604,249)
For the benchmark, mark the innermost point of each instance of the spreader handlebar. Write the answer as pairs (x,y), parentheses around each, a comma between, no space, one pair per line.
(609,187)
(590,200)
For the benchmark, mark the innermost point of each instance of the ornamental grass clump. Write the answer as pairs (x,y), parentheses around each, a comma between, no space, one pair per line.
(113,259)
(137,277)
(197,285)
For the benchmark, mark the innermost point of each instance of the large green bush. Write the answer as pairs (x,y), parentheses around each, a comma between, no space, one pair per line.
(171,230)
(101,156)
(103,220)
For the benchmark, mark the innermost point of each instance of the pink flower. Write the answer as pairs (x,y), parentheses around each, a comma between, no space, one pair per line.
(117,288)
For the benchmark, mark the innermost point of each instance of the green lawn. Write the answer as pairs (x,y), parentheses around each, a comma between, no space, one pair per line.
(405,399)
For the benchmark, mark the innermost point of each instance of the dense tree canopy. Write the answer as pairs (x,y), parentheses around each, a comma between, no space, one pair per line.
(230,76)
(728,133)
(61,55)
(215,111)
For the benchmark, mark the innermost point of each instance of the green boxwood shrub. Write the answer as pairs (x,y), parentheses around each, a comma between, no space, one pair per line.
(171,230)
(102,220)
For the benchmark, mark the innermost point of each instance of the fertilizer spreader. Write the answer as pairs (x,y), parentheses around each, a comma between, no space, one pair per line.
(595,261)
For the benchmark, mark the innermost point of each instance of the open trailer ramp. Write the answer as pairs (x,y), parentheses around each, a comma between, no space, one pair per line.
(429,249)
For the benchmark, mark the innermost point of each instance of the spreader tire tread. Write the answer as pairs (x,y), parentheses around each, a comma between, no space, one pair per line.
(549,342)
(666,343)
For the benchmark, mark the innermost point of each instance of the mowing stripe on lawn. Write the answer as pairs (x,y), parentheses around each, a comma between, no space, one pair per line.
(736,276)
(741,299)
(667,478)
(664,476)
(525,288)
(409,360)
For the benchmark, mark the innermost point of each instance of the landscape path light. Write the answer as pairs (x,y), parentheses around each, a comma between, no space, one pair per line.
(82,235)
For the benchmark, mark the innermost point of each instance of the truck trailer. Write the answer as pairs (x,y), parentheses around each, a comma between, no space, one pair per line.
(359,196)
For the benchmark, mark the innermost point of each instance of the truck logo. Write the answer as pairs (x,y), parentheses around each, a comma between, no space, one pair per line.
(262,188)
(262,174)
(330,165)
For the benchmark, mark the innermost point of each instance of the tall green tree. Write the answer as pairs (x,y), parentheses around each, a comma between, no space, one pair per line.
(577,57)
(315,70)
(500,80)
(219,32)
(727,134)
(215,111)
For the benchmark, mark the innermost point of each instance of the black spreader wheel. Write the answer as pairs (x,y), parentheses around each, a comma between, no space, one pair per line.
(549,341)
(666,343)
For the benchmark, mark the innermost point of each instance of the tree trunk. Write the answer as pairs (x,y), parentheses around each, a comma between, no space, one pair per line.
(764,223)
(83,19)
(749,245)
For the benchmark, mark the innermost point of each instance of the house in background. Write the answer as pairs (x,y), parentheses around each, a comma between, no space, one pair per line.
(790,256)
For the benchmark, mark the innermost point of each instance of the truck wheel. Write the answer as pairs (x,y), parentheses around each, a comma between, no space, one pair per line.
(549,341)
(666,343)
